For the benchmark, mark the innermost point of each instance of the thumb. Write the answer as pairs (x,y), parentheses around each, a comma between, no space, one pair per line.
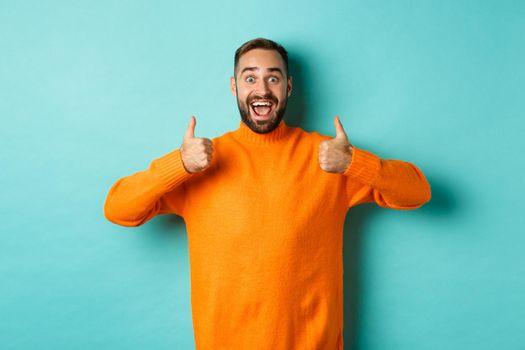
(190,131)
(339,131)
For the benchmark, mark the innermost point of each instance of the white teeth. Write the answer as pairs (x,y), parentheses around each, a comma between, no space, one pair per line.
(261,104)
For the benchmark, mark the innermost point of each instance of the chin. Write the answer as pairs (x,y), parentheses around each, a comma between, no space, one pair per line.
(265,126)
(261,126)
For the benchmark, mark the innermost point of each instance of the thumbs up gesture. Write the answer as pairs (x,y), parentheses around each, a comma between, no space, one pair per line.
(196,152)
(335,154)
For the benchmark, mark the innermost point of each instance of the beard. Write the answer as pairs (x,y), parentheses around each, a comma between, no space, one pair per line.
(262,126)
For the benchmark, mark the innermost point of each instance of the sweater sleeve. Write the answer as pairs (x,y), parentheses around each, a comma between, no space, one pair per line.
(160,189)
(394,184)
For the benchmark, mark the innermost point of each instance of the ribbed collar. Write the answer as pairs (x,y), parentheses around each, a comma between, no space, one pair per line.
(244,133)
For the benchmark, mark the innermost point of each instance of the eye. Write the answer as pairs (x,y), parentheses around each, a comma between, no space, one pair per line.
(248,79)
(275,79)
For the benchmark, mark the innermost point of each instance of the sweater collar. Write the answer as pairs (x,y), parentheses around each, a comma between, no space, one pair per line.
(244,133)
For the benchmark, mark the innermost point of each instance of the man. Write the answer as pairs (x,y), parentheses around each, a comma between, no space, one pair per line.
(264,207)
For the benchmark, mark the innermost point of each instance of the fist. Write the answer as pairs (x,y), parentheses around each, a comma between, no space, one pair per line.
(196,152)
(335,154)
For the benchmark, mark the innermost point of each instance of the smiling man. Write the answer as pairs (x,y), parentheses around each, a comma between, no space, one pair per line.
(264,207)
(262,86)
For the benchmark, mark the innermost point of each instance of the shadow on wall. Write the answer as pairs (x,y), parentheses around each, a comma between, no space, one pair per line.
(296,109)
(161,235)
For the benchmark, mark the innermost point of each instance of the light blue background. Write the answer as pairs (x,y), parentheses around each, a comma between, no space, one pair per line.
(91,92)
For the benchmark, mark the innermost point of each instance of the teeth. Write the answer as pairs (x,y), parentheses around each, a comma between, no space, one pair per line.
(261,104)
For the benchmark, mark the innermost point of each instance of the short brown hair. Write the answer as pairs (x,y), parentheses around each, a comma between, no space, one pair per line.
(260,43)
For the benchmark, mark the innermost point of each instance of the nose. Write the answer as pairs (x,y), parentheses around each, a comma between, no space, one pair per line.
(262,86)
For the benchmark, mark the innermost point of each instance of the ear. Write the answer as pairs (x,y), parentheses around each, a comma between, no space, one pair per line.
(232,86)
(289,85)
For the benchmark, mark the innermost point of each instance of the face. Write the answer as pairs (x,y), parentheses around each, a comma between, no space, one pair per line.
(261,78)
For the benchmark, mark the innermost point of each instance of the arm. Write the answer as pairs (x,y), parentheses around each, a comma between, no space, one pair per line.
(136,198)
(392,184)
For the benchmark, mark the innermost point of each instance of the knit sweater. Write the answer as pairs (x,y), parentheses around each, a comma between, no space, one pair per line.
(265,230)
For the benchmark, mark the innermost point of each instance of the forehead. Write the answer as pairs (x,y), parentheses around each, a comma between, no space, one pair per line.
(260,58)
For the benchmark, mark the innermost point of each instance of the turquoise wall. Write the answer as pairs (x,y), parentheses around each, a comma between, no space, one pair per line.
(93,91)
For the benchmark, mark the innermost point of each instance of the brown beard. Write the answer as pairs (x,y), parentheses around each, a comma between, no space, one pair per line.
(269,125)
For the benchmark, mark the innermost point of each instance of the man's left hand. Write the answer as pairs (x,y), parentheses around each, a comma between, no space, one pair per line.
(335,155)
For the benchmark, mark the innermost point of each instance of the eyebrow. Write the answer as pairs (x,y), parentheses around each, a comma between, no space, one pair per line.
(272,69)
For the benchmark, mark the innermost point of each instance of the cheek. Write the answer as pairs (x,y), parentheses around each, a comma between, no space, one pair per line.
(242,96)
(283,92)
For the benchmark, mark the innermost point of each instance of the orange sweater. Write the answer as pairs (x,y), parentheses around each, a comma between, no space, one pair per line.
(265,225)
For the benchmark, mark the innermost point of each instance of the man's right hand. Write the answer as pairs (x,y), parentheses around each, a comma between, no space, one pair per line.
(197,152)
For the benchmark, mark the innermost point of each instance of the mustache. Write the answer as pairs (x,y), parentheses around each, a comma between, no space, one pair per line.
(264,97)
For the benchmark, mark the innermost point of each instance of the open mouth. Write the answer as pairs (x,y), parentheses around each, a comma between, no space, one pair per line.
(262,108)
